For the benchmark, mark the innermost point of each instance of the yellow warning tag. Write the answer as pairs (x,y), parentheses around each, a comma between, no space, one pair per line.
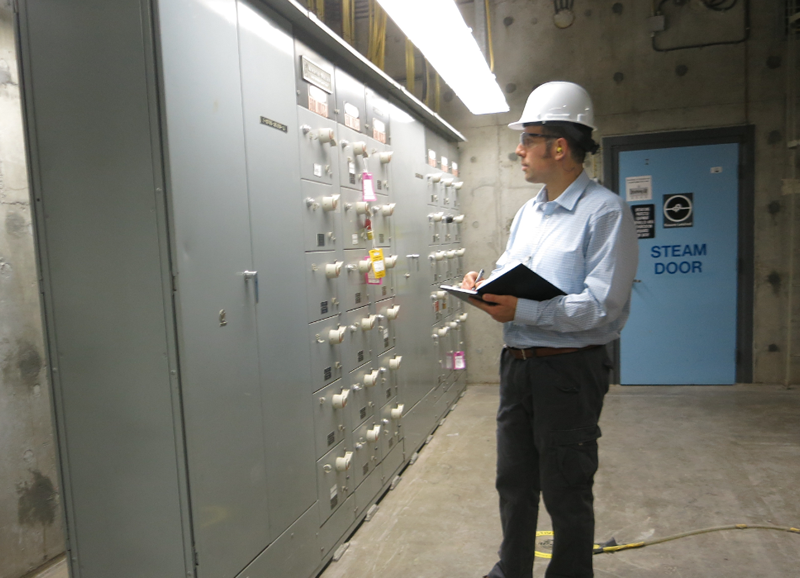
(378,266)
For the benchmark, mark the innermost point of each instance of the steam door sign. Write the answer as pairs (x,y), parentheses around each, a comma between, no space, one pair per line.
(678,210)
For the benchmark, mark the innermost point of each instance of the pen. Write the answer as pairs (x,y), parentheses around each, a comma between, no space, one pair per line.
(479,277)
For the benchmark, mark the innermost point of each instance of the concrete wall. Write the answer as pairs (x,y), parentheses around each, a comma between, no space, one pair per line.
(30,512)
(635,90)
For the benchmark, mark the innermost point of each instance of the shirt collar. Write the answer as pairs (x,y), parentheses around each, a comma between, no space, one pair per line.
(569,198)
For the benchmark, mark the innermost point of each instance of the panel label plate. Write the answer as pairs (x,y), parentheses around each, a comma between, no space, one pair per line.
(316,75)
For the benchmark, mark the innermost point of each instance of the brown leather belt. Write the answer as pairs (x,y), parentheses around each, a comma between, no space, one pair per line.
(544,351)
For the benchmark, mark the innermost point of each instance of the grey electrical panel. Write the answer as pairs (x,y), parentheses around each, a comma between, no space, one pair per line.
(241,240)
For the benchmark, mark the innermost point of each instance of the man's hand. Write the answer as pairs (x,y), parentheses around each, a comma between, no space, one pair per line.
(468,282)
(505,307)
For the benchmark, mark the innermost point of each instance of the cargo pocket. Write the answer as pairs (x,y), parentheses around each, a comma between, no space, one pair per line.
(576,452)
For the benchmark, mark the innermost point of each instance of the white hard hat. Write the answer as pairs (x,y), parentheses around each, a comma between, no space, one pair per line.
(557,102)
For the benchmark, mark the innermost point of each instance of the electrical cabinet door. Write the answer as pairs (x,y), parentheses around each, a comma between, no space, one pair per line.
(217,299)
(324,275)
(322,222)
(682,325)
(327,338)
(265,53)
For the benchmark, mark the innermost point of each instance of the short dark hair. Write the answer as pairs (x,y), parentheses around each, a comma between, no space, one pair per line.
(578,137)
(576,150)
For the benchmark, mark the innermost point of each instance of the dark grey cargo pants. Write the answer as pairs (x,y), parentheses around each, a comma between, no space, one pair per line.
(547,442)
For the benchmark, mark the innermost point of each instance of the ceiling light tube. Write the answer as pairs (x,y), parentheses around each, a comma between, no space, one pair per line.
(437,28)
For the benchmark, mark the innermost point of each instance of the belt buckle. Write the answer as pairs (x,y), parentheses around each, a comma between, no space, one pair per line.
(524,357)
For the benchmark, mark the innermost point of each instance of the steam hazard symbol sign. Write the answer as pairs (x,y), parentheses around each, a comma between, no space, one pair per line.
(678,210)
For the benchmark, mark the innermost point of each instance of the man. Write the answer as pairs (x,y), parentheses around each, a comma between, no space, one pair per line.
(553,371)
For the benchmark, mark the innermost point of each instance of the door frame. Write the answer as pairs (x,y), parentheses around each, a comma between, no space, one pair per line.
(744,136)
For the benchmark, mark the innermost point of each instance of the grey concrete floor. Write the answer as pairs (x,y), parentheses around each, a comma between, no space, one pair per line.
(673,459)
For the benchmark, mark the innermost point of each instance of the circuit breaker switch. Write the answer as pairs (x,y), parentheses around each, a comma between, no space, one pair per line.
(462,317)
(458,219)
(394,362)
(448,181)
(388,210)
(343,463)
(360,149)
(368,323)
(451,254)
(441,294)
(390,261)
(364,265)
(336,336)
(397,412)
(373,434)
(436,217)
(327,136)
(443,331)
(371,378)
(330,203)
(435,177)
(332,270)
(457,185)
(362,208)
(392,312)
(340,399)
(439,255)
(386,157)
(460,252)
(452,325)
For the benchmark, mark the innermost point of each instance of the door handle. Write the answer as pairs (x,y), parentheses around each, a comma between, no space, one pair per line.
(254,276)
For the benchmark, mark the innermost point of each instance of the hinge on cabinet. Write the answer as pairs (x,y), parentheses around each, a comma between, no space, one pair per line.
(196,558)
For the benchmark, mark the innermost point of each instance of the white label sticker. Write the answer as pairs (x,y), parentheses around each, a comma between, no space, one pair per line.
(334,491)
(317,101)
(386,333)
(432,157)
(639,188)
(317,170)
(444,163)
(351,167)
(459,361)
(355,238)
(455,169)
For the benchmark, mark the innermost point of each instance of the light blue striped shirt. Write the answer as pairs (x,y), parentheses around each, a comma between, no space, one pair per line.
(585,243)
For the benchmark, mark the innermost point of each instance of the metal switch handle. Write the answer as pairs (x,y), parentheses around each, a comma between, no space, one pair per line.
(254,276)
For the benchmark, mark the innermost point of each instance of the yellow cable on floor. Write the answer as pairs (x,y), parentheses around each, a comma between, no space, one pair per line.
(611,549)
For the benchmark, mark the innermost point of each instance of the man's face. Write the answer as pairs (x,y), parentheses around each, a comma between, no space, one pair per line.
(535,152)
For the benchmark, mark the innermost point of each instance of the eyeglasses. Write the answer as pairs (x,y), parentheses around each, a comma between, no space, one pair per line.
(526,138)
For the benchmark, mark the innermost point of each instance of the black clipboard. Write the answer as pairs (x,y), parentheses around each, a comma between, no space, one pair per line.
(520,282)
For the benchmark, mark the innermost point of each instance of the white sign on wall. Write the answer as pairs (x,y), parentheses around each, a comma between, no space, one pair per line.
(639,188)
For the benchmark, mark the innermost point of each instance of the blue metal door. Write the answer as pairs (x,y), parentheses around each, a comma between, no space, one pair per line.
(682,327)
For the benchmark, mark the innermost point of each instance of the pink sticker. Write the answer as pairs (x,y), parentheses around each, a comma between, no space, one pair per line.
(368,188)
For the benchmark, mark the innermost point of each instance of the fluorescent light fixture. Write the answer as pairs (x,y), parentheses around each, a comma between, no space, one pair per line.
(437,28)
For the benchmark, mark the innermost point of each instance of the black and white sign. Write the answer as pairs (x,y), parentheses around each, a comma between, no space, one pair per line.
(678,210)
(645,218)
